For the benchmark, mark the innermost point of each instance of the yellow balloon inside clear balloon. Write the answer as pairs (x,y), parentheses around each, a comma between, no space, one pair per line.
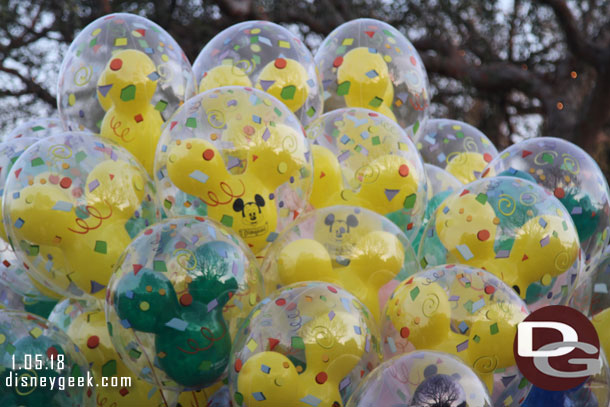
(364,81)
(285,79)
(601,322)
(464,166)
(125,90)
(90,333)
(224,75)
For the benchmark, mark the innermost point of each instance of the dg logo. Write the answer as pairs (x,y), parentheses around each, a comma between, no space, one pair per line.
(557,348)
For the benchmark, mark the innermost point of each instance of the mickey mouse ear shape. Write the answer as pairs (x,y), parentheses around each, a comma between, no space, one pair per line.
(330,219)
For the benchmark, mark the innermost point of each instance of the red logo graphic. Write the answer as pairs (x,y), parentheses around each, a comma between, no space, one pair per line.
(557,348)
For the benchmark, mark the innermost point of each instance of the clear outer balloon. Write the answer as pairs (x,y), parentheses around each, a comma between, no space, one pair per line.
(38,128)
(12,270)
(362,158)
(441,184)
(368,63)
(354,248)
(421,378)
(9,299)
(307,344)
(594,392)
(512,228)
(572,176)
(71,205)
(41,350)
(457,147)
(466,312)
(267,56)
(86,325)
(122,76)
(176,300)
(239,156)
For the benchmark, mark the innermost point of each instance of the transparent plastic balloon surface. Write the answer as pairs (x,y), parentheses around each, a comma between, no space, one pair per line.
(31,347)
(457,147)
(239,156)
(86,326)
(39,128)
(466,312)
(176,300)
(357,249)
(363,158)
(368,63)
(266,56)
(71,205)
(307,343)
(572,176)
(512,228)
(421,379)
(122,76)
(12,269)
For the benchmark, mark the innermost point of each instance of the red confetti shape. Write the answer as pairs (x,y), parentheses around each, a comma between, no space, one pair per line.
(483,235)
(93,342)
(280,63)
(404,332)
(208,154)
(116,64)
(65,183)
(186,300)
(321,378)
(403,170)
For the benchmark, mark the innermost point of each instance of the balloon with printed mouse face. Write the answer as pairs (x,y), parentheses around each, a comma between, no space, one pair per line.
(239,156)
(354,248)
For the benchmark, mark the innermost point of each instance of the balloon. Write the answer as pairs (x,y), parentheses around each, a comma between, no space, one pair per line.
(573,177)
(177,298)
(364,159)
(307,344)
(594,392)
(421,378)
(512,228)
(86,325)
(370,64)
(72,203)
(457,147)
(267,56)
(39,128)
(12,270)
(441,184)
(239,156)
(31,347)
(354,248)
(463,311)
(122,76)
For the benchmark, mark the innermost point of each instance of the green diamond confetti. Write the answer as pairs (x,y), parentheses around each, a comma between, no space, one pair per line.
(109,368)
(161,105)
(376,102)
(37,162)
(227,220)
(297,342)
(159,265)
(414,293)
(288,92)
(493,328)
(100,247)
(481,198)
(191,122)
(409,202)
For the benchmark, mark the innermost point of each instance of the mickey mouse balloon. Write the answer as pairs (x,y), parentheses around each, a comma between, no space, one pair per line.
(457,147)
(176,300)
(122,76)
(512,228)
(352,247)
(238,155)
(363,158)
(370,64)
(572,176)
(71,205)
(267,56)
(463,311)
(308,344)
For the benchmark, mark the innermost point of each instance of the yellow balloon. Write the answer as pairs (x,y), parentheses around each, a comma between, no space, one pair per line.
(464,165)
(224,75)
(241,200)
(91,246)
(368,78)
(90,333)
(601,322)
(285,385)
(125,90)
(199,398)
(286,79)
(376,258)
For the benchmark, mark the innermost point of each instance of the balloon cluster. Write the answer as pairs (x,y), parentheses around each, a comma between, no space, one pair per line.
(272,228)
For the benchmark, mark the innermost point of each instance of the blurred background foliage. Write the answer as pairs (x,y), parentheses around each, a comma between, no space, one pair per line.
(514,68)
